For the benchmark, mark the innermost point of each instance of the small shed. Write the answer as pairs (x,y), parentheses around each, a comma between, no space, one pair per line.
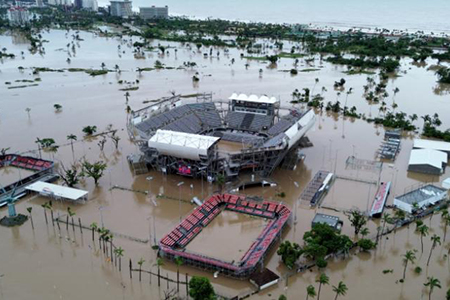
(421,197)
(264,279)
(427,161)
(332,221)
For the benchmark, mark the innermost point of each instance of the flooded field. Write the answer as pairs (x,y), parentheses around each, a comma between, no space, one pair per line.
(221,238)
(9,175)
(141,209)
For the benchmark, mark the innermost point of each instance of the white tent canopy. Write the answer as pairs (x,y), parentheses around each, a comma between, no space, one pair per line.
(253,98)
(180,144)
(57,191)
(428,157)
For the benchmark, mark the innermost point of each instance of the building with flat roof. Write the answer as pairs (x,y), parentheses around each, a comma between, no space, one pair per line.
(421,197)
(154,12)
(121,9)
(331,221)
(427,161)
(89,5)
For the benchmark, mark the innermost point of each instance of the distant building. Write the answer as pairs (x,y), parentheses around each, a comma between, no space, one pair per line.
(39,3)
(60,2)
(121,9)
(331,221)
(154,12)
(89,5)
(18,15)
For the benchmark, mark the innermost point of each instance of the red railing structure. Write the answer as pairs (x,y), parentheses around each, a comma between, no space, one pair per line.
(173,244)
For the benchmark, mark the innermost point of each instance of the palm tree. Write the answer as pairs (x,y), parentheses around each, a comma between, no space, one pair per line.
(436,240)
(340,290)
(94,228)
(119,253)
(423,231)
(29,209)
(364,232)
(386,219)
(71,138)
(178,262)
(322,280)
(310,292)
(159,263)
(432,283)
(140,263)
(409,256)
(445,218)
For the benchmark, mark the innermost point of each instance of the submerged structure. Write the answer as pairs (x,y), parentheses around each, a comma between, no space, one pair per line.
(204,139)
(420,198)
(173,245)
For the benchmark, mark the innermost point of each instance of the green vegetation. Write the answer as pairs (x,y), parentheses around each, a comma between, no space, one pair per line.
(366,244)
(201,289)
(443,75)
(94,170)
(395,120)
(430,128)
(89,130)
(289,252)
(386,64)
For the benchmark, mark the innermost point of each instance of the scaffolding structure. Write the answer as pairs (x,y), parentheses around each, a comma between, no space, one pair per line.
(172,246)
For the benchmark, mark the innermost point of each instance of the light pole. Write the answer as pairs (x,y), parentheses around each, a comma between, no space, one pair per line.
(179,197)
(101,216)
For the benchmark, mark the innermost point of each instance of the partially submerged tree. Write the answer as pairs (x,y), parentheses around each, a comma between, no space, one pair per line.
(322,280)
(70,176)
(409,256)
(340,290)
(200,288)
(357,220)
(94,170)
(89,130)
(289,252)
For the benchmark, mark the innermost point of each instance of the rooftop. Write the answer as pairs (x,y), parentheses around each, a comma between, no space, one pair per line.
(253,98)
(428,156)
(420,194)
(332,221)
(430,144)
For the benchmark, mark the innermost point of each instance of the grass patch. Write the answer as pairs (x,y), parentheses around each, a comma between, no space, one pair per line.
(359,72)
(261,58)
(96,72)
(21,86)
(131,88)
(290,55)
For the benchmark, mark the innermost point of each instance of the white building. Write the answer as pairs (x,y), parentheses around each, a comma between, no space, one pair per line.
(427,161)
(18,15)
(430,144)
(60,2)
(422,197)
(121,9)
(39,3)
(90,5)
(154,12)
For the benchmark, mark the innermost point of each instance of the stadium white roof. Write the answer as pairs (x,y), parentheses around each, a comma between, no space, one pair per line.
(253,98)
(430,144)
(430,157)
(180,144)
(58,191)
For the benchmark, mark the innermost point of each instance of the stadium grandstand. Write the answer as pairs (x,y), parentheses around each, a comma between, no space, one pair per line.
(204,138)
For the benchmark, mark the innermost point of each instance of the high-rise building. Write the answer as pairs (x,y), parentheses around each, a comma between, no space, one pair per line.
(121,9)
(59,2)
(154,12)
(18,15)
(90,5)
(39,3)
(78,4)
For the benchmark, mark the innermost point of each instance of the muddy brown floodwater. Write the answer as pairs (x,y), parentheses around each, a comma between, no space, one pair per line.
(48,263)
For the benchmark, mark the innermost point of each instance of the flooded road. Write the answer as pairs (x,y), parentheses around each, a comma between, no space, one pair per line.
(70,260)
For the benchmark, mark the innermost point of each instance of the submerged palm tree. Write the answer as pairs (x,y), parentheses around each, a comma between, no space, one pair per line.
(119,253)
(310,292)
(436,240)
(431,284)
(409,256)
(72,138)
(340,290)
(423,231)
(140,263)
(322,280)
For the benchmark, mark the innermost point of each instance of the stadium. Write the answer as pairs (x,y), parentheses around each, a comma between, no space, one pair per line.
(207,138)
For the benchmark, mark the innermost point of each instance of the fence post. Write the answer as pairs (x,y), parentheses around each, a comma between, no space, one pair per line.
(187,287)
(167,280)
(81,228)
(131,267)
